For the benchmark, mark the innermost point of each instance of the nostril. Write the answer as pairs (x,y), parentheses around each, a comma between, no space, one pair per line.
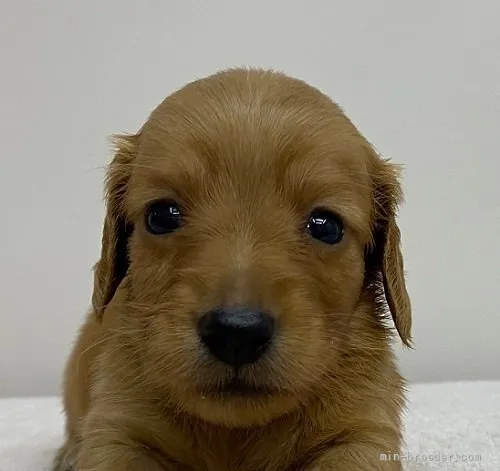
(236,336)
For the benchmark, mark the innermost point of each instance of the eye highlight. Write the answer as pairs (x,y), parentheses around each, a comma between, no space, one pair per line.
(163,217)
(325,226)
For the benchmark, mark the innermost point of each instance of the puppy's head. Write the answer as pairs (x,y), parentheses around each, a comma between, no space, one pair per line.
(251,222)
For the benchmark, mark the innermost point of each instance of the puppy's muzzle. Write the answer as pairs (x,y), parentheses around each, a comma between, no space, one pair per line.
(238,336)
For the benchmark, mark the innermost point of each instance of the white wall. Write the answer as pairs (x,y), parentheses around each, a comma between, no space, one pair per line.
(421,79)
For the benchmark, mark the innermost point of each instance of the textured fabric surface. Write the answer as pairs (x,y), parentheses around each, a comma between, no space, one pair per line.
(448,426)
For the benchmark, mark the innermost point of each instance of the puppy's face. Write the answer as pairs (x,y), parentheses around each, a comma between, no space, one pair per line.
(241,216)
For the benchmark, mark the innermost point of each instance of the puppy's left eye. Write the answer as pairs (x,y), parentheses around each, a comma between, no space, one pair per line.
(163,217)
(325,226)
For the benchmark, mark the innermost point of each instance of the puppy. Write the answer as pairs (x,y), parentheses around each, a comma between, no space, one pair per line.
(250,260)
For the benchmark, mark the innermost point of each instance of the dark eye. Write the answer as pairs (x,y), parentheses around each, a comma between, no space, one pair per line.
(325,226)
(163,217)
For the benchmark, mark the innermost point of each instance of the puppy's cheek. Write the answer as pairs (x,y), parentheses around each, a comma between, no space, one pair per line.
(318,316)
(341,280)
(299,361)
(172,350)
(297,358)
(170,342)
(151,281)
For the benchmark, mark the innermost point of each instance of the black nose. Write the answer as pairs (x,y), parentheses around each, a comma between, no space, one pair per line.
(236,337)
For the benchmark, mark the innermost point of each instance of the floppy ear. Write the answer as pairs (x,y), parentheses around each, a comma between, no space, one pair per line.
(113,264)
(385,257)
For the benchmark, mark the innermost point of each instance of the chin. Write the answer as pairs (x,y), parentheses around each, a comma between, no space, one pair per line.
(239,405)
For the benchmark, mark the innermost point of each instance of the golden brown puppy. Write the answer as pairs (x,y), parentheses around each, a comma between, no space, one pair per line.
(250,250)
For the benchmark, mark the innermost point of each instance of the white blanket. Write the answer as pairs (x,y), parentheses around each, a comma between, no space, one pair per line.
(449,426)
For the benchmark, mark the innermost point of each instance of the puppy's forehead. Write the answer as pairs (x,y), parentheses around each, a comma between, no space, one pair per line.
(244,128)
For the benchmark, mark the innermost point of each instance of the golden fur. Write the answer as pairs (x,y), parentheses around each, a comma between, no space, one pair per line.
(248,154)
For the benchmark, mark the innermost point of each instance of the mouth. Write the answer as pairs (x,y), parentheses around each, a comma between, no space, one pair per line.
(238,388)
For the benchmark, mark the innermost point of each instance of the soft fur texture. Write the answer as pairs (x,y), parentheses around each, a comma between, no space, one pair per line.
(247,154)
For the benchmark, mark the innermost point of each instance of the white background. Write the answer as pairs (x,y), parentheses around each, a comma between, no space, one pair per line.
(420,79)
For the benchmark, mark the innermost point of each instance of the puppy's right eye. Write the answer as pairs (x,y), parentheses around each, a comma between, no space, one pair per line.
(163,217)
